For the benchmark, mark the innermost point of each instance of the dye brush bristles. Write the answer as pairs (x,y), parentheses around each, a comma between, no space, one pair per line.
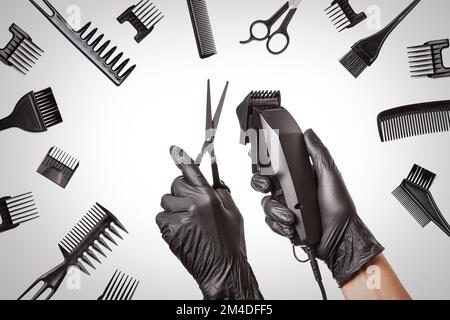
(35,112)
(58,166)
(415,196)
(364,53)
(202,28)
(17,210)
(21,52)
(426,60)
(121,287)
(343,16)
(79,246)
(414,120)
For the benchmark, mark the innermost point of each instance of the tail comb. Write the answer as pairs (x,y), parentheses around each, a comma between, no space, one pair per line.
(427,61)
(58,166)
(89,47)
(414,195)
(343,16)
(121,287)
(202,28)
(414,120)
(17,210)
(143,17)
(79,246)
(21,52)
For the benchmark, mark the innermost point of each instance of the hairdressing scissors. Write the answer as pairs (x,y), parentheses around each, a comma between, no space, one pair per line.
(211,129)
(292,6)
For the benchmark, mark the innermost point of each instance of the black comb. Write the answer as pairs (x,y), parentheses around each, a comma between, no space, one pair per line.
(17,210)
(414,120)
(426,60)
(143,17)
(414,195)
(79,246)
(89,47)
(35,112)
(202,28)
(58,166)
(343,16)
(121,287)
(21,52)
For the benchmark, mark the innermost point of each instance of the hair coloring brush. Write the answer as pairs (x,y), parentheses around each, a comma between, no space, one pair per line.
(364,53)
(17,210)
(35,112)
(343,16)
(427,61)
(202,28)
(121,287)
(415,196)
(414,120)
(78,247)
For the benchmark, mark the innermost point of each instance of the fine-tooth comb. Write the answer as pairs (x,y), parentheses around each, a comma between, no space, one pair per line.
(21,53)
(143,17)
(414,120)
(364,53)
(343,16)
(35,112)
(202,28)
(17,210)
(426,60)
(78,247)
(121,287)
(58,167)
(89,47)
(415,196)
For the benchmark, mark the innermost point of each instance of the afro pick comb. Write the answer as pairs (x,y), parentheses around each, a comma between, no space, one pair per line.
(121,287)
(91,48)
(343,16)
(35,112)
(17,210)
(20,53)
(427,61)
(78,247)
(143,17)
(415,196)
(58,167)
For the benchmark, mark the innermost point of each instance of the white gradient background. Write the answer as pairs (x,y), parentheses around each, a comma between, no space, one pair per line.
(122,138)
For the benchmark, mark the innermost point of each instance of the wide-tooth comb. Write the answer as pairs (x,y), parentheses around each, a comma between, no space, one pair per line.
(414,195)
(17,210)
(426,60)
(91,48)
(121,287)
(343,16)
(414,120)
(58,166)
(143,17)
(202,28)
(21,52)
(79,246)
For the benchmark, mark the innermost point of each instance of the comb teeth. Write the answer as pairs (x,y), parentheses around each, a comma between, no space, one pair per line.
(58,166)
(21,52)
(421,177)
(121,287)
(22,208)
(354,63)
(414,120)
(86,236)
(426,60)
(410,204)
(147,13)
(48,107)
(202,28)
(343,16)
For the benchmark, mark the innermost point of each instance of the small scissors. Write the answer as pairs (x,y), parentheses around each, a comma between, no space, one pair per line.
(268,24)
(211,129)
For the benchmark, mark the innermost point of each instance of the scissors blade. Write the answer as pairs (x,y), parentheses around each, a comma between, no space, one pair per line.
(209,121)
(218,113)
(293,4)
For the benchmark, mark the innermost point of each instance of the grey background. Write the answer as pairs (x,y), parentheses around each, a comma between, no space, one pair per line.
(122,136)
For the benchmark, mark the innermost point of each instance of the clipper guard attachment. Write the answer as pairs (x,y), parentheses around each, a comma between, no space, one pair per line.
(121,287)
(58,167)
(426,60)
(91,48)
(17,210)
(343,16)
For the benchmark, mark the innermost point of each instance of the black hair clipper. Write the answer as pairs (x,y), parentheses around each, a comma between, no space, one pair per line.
(278,149)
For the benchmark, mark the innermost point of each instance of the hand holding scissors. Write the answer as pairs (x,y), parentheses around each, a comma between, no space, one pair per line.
(292,6)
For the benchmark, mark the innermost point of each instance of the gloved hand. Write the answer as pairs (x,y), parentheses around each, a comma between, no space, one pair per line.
(204,229)
(346,245)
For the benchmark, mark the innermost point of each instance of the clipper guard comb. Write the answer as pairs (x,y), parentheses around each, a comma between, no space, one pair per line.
(427,61)
(17,210)
(89,47)
(343,16)
(58,166)
(121,287)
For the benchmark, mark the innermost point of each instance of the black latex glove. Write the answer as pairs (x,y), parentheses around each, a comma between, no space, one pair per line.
(346,245)
(205,230)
